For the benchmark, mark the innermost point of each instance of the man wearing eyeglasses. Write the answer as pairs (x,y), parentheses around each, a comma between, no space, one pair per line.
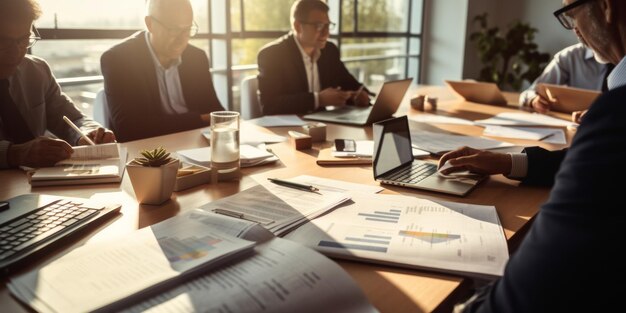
(570,260)
(155,82)
(31,102)
(301,71)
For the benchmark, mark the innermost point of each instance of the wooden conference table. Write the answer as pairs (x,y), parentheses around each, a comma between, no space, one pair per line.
(390,289)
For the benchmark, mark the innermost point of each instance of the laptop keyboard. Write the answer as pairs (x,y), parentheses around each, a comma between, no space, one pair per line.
(411,175)
(28,231)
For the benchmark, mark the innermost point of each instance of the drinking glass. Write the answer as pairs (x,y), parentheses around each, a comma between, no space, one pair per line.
(224,145)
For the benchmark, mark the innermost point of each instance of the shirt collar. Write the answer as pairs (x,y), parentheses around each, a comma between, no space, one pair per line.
(155,59)
(316,53)
(588,54)
(617,78)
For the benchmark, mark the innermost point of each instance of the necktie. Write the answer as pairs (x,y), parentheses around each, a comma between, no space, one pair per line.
(13,124)
(609,69)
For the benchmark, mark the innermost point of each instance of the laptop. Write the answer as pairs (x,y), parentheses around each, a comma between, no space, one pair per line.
(479,92)
(394,163)
(386,104)
(31,224)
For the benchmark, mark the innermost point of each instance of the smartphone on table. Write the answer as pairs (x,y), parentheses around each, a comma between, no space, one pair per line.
(345,145)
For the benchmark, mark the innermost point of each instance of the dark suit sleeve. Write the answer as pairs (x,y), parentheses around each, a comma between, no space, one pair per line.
(132,103)
(571,253)
(542,165)
(339,74)
(278,84)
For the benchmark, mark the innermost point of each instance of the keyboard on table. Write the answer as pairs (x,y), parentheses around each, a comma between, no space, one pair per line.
(37,227)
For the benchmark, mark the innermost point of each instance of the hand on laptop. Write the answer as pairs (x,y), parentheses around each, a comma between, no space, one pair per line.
(476,161)
(334,97)
(361,98)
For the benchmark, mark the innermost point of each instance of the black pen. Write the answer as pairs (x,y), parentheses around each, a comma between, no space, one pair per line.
(292,184)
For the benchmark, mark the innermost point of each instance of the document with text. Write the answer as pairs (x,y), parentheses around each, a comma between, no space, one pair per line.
(198,261)
(411,232)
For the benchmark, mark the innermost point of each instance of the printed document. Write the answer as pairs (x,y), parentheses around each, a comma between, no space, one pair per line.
(523,119)
(411,232)
(439,143)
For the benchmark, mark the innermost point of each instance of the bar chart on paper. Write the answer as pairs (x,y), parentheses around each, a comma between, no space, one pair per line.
(411,232)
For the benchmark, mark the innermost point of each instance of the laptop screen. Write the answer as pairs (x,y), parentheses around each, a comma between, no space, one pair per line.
(394,146)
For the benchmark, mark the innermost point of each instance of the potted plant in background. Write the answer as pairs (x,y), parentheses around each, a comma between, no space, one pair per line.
(508,58)
(153,176)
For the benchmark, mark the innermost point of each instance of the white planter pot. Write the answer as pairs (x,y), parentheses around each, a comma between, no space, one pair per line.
(153,185)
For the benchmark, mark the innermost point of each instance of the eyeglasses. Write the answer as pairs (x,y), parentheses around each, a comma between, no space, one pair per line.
(25,42)
(566,20)
(321,26)
(179,31)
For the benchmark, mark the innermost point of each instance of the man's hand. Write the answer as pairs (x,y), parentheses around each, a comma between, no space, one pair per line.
(39,152)
(541,104)
(361,98)
(477,161)
(577,116)
(98,136)
(334,97)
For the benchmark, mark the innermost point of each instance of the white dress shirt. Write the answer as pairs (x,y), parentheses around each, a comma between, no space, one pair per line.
(312,72)
(170,89)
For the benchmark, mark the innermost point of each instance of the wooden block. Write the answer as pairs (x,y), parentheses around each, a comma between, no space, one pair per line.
(317,131)
(300,141)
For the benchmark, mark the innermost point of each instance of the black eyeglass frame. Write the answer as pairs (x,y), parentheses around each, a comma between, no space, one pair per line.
(562,18)
(191,30)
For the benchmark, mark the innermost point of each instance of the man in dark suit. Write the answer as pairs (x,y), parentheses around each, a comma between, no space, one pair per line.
(302,72)
(155,82)
(571,254)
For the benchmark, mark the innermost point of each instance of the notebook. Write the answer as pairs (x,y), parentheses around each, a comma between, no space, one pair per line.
(567,99)
(96,164)
(394,164)
(34,222)
(385,106)
(479,92)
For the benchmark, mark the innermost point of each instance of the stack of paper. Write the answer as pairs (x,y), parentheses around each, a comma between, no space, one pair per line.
(162,269)
(439,143)
(528,133)
(278,208)
(248,156)
(411,232)
(523,119)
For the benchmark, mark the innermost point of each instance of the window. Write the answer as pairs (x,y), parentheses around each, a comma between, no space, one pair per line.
(379,39)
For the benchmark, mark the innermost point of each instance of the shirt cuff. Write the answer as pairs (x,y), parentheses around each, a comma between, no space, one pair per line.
(4,153)
(527,97)
(519,165)
(316,95)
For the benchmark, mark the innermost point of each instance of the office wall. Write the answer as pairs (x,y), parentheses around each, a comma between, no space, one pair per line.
(449,23)
(444,40)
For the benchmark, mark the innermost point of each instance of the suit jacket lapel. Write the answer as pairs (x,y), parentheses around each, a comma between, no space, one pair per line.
(297,62)
(147,67)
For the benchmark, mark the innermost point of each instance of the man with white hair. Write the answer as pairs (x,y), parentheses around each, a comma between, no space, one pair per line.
(155,82)
(571,254)
(31,102)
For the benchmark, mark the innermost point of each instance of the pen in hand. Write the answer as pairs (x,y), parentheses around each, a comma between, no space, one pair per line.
(289,184)
(69,122)
(356,94)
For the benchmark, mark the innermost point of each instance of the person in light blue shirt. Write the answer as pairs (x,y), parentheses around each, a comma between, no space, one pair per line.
(575,66)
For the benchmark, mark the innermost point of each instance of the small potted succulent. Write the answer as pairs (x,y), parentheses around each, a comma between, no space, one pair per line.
(153,175)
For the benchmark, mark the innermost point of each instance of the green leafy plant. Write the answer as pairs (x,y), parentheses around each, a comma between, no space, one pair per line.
(154,158)
(508,58)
